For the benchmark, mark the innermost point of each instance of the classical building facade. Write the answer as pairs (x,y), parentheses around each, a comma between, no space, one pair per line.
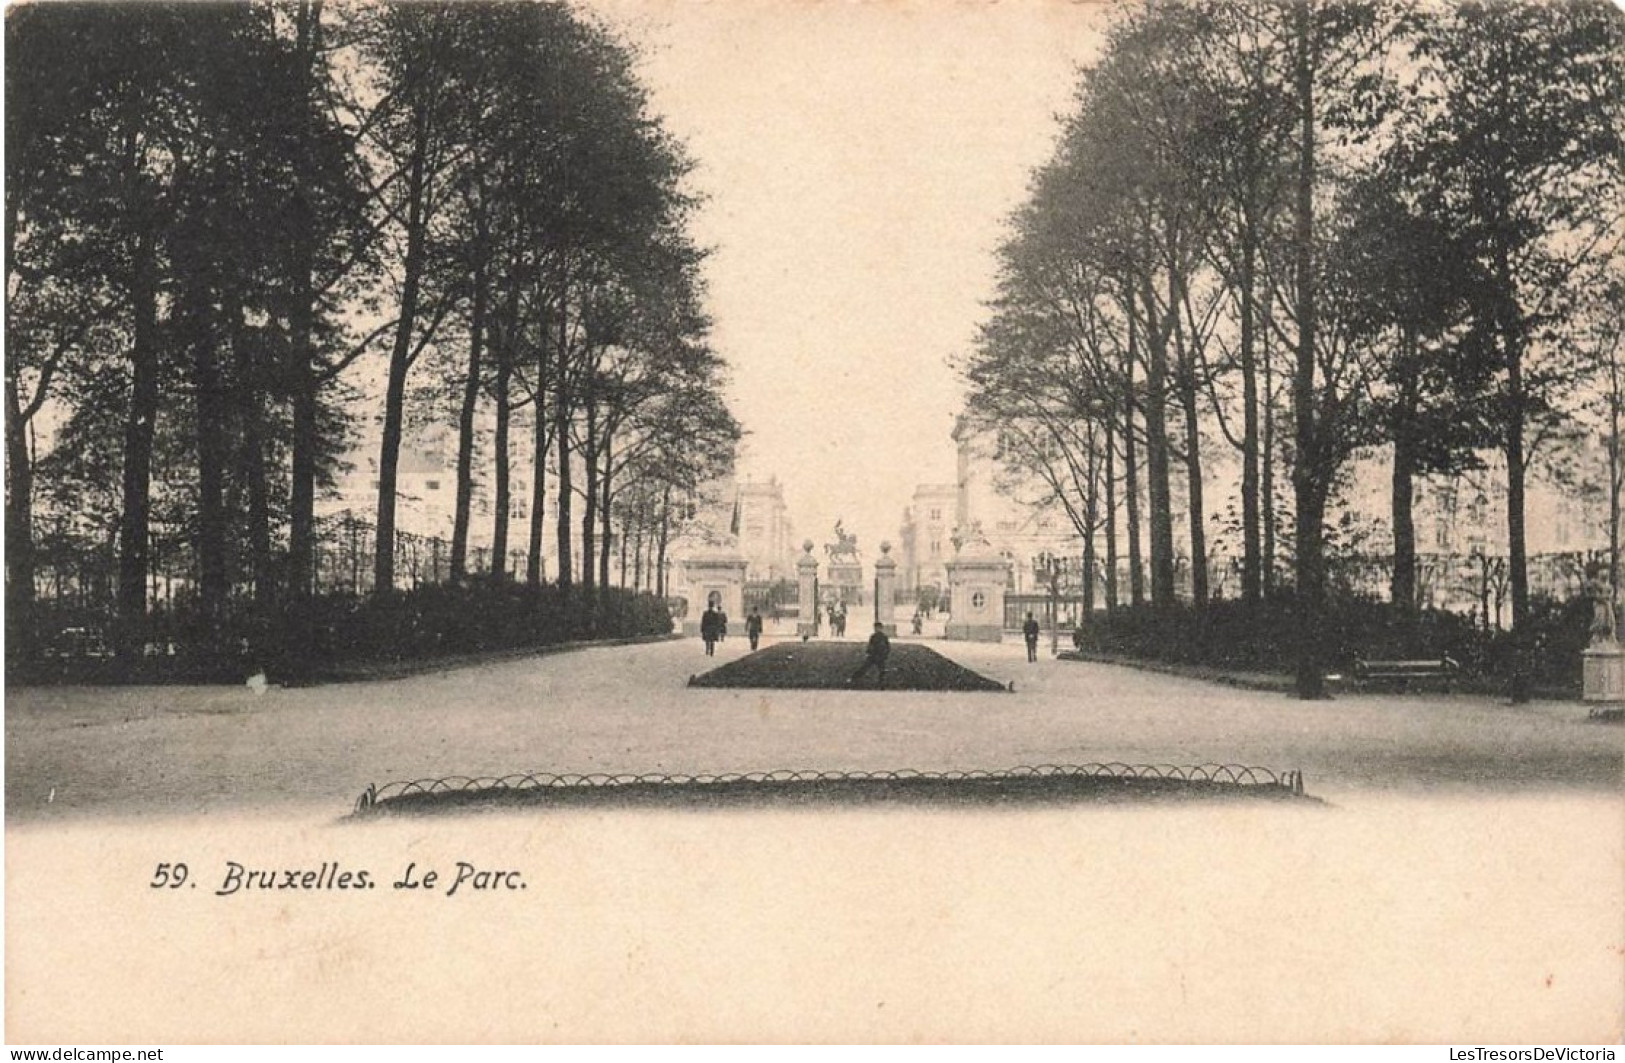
(1460,527)
(925,540)
(766,535)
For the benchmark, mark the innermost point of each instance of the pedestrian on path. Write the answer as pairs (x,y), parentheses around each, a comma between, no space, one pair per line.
(1030,631)
(874,657)
(753,627)
(709,625)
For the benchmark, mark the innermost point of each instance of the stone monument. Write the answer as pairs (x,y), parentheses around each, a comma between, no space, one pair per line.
(977,577)
(886,590)
(807,592)
(1604,669)
(715,575)
(845,582)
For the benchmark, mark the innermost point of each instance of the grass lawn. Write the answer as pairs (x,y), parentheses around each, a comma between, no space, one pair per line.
(830,665)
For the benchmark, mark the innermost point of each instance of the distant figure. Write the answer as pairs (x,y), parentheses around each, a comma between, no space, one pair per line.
(840,620)
(722,624)
(875,657)
(753,627)
(919,622)
(1029,630)
(710,622)
(1077,637)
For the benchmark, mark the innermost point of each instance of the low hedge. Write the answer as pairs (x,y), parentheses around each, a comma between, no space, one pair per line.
(304,639)
(1262,637)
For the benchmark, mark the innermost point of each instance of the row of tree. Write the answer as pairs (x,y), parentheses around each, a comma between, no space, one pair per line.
(1291,231)
(236,232)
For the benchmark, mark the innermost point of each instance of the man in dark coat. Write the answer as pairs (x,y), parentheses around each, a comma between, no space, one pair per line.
(709,623)
(875,657)
(1030,631)
(753,627)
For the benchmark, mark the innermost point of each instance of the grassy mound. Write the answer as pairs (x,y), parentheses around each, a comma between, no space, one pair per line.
(830,665)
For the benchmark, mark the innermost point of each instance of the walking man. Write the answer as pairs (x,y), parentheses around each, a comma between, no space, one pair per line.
(753,627)
(875,657)
(1030,631)
(708,630)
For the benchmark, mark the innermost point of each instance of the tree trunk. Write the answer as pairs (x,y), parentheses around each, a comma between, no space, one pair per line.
(134,524)
(471,398)
(1131,467)
(1198,512)
(1156,445)
(383,578)
(303,447)
(561,429)
(208,389)
(1252,580)
(1402,583)
(250,392)
(1307,475)
(1091,509)
(507,355)
(604,526)
(589,508)
(1517,550)
(1111,518)
(538,474)
(303,377)
(1266,473)
(660,552)
(20,630)
(1193,445)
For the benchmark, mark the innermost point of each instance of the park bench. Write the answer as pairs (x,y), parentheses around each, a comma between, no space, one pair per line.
(1406,671)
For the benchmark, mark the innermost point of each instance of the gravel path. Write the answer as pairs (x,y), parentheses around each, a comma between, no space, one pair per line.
(189,750)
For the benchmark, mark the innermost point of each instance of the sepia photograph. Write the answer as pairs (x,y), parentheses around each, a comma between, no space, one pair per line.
(814,521)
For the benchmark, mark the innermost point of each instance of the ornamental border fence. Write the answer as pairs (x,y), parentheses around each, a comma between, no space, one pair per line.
(1228,775)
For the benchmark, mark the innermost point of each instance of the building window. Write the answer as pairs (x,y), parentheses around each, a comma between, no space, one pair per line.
(936,547)
(431,485)
(978,601)
(936,514)
(376,484)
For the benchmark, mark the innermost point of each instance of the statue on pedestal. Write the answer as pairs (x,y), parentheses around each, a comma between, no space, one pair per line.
(845,546)
(1605,621)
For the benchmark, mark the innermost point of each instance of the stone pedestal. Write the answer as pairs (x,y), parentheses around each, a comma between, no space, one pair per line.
(1604,675)
(886,590)
(807,592)
(718,578)
(844,582)
(976,582)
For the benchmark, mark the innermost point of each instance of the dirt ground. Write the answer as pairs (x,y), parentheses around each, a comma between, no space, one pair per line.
(187,750)
(1461,877)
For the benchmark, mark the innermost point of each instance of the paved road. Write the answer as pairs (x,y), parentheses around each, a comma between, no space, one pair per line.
(187,750)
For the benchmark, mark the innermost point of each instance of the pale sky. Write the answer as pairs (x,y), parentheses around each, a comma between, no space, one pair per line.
(859,157)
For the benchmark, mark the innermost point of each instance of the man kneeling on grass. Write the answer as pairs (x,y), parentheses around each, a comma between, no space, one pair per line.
(875,657)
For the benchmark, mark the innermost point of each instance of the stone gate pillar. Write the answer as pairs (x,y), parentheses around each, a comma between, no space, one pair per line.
(976,580)
(807,592)
(885,590)
(718,577)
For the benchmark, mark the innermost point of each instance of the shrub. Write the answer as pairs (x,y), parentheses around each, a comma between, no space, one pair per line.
(1262,636)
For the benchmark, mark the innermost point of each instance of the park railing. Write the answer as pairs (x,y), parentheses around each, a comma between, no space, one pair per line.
(1029,781)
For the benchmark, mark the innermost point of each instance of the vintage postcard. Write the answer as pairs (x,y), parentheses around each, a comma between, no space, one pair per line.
(672,521)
